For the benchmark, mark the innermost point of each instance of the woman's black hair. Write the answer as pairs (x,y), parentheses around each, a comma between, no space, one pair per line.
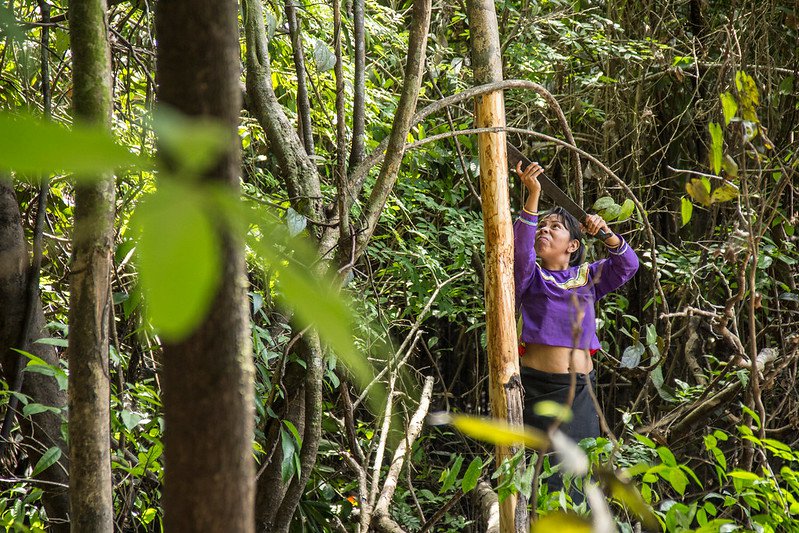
(573,225)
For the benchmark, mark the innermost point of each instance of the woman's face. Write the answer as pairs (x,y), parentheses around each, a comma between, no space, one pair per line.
(552,238)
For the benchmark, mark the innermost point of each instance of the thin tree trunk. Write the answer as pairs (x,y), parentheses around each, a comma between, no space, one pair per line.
(359,85)
(208,376)
(41,431)
(303,104)
(503,361)
(90,284)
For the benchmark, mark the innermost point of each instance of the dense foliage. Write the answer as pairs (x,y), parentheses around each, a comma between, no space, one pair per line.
(694,106)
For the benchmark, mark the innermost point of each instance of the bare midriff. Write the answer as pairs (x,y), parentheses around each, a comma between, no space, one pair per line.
(555,359)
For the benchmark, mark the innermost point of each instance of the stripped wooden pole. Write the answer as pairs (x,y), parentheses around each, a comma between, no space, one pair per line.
(503,359)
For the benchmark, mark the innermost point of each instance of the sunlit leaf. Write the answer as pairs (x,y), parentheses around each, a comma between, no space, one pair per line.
(553,410)
(698,191)
(497,432)
(716,146)
(562,523)
(34,146)
(724,193)
(632,355)
(452,475)
(729,106)
(729,166)
(323,56)
(686,210)
(178,257)
(625,491)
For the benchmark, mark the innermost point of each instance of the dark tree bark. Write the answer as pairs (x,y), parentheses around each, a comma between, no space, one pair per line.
(303,104)
(41,431)
(208,376)
(359,85)
(90,283)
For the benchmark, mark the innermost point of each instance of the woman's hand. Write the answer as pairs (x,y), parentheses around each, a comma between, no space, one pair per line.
(529,177)
(593,223)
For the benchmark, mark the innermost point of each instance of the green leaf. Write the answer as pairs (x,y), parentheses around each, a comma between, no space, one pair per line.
(47,460)
(452,475)
(130,419)
(678,480)
(34,146)
(729,166)
(627,209)
(472,475)
(323,56)
(666,456)
(288,448)
(63,343)
(716,146)
(36,408)
(729,106)
(686,210)
(646,441)
(40,366)
(178,252)
(603,203)
(740,474)
(632,355)
(296,434)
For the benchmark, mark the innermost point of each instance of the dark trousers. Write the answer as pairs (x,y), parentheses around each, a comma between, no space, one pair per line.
(540,386)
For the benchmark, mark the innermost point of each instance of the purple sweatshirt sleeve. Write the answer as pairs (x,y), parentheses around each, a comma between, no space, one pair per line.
(524,253)
(611,273)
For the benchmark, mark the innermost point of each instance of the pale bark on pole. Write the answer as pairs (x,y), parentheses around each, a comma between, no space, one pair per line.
(503,360)
(91,506)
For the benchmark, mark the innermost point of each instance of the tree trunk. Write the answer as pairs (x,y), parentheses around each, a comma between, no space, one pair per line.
(90,285)
(43,430)
(208,376)
(503,360)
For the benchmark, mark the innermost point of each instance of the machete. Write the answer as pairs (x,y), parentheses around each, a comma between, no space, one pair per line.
(552,190)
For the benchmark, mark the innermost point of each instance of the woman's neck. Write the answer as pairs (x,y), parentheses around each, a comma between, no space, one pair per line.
(555,264)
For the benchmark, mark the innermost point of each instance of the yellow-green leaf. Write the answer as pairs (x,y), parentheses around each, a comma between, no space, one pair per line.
(50,457)
(499,432)
(686,210)
(553,410)
(716,146)
(697,190)
(729,166)
(729,106)
(724,193)
(562,523)
(627,209)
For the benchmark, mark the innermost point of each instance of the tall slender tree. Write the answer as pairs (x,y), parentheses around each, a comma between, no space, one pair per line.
(208,376)
(503,361)
(90,290)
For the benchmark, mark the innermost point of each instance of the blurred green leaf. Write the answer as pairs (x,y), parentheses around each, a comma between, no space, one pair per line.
(562,523)
(553,410)
(724,193)
(192,144)
(31,145)
(499,432)
(178,257)
(627,209)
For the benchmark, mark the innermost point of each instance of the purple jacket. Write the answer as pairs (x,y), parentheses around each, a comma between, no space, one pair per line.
(549,299)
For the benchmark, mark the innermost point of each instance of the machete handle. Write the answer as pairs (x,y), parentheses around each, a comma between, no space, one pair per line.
(602,235)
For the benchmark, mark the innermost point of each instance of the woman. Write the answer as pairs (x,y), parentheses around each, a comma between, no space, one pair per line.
(556,293)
